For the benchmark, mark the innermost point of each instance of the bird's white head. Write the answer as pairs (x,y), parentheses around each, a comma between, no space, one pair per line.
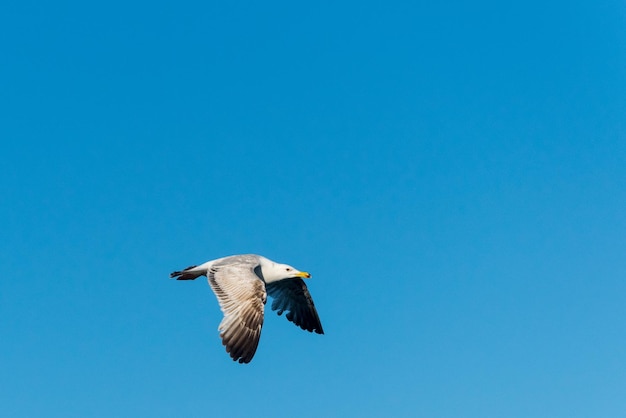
(273,272)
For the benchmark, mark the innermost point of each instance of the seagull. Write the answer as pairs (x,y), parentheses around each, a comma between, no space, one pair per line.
(241,284)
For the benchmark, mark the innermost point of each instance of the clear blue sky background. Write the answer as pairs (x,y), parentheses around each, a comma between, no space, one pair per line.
(452,174)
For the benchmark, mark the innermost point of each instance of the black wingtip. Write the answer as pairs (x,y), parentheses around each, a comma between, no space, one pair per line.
(185,275)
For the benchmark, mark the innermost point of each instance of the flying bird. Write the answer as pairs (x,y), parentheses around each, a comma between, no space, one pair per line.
(241,284)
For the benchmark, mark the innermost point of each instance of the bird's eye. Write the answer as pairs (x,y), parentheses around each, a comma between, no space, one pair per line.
(288,269)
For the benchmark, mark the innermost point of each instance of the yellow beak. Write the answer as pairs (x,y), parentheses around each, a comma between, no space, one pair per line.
(304,274)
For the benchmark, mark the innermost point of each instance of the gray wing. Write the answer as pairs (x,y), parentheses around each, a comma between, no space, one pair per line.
(292,295)
(241,295)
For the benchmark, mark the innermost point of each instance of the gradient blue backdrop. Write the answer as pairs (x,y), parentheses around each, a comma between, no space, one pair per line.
(453,175)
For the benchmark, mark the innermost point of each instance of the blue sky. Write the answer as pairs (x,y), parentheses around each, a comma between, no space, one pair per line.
(453,175)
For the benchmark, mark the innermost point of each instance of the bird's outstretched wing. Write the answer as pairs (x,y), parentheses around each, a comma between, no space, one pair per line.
(241,295)
(293,296)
